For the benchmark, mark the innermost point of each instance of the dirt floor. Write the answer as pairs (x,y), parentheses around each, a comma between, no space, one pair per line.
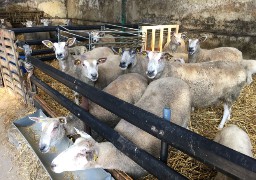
(11,156)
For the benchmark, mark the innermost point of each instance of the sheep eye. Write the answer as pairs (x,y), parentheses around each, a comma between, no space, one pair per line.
(83,64)
(56,127)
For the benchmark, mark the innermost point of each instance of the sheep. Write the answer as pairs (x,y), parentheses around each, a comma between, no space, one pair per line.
(211,83)
(5,24)
(77,50)
(235,138)
(29,36)
(161,93)
(177,43)
(196,54)
(101,37)
(98,72)
(55,130)
(86,153)
(128,87)
(44,35)
(132,61)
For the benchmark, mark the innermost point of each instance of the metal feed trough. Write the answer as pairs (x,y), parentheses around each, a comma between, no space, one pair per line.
(221,158)
(31,131)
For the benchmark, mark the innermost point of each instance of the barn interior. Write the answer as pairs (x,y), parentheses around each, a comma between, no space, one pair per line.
(226,23)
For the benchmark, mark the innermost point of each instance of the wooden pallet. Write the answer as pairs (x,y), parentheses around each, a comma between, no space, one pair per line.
(154,37)
(10,67)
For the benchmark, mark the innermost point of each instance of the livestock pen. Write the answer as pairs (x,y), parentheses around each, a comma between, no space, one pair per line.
(192,144)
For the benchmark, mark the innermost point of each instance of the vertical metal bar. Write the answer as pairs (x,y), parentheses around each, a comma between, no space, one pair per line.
(58,33)
(164,145)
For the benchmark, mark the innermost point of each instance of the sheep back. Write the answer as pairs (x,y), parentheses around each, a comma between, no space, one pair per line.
(210,82)
(165,92)
(128,87)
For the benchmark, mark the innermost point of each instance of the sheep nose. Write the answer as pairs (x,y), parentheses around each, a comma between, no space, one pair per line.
(122,64)
(94,76)
(53,166)
(179,43)
(42,148)
(59,55)
(150,73)
(190,49)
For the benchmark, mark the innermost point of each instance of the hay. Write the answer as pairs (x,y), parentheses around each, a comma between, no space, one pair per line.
(203,121)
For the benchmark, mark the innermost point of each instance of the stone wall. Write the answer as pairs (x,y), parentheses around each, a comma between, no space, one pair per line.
(227,22)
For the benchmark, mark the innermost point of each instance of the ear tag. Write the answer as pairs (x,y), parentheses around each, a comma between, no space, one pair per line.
(77,62)
(49,44)
(119,50)
(62,120)
(95,157)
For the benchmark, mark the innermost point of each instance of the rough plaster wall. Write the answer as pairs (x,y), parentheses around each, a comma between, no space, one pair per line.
(95,10)
(54,8)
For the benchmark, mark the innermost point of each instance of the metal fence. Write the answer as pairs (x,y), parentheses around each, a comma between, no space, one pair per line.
(219,157)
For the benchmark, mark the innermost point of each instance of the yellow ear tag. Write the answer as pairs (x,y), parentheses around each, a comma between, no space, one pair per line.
(95,157)
(119,50)
(62,120)
(49,44)
(77,62)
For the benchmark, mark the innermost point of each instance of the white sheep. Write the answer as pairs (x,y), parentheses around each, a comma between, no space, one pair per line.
(5,24)
(132,61)
(98,72)
(86,153)
(77,50)
(164,92)
(176,44)
(235,138)
(54,130)
(29,36)
(211,83)
(128,87)
(101,37)
(196,54)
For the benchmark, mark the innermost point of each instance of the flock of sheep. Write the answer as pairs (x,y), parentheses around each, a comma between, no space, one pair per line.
(180,78)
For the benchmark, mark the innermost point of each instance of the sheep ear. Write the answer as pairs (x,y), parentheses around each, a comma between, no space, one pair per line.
(70,41)
(38,119)
(82,134)
(62,120)
(101,60)
(167,55)
(48,43)
(202,38)
(101,34)
(184,35)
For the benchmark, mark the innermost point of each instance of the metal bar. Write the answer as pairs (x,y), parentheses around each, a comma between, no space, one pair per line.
(39,42)
(164,145)
(217,156)
(47,58)
(39,52)
(144,159)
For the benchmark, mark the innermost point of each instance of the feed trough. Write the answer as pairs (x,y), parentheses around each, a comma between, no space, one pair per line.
(31,132)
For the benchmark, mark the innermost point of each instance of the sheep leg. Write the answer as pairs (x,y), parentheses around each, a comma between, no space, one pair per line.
(226,116)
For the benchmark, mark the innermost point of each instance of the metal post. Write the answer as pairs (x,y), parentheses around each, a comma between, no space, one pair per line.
(164,145)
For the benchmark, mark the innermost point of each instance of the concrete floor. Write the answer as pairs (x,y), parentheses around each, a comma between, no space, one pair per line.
(11,108)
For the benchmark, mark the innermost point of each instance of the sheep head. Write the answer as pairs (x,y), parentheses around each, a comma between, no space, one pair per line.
(79,156)
(52,131)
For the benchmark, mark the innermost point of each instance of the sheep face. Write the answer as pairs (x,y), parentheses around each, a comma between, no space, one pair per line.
(90,68)
(128,58)
(96,35)
(193,45)
(27,50)
(60,48)
(177,38)
(156,64)
(79,156)
(46,22)
(28,23)
(52,132)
